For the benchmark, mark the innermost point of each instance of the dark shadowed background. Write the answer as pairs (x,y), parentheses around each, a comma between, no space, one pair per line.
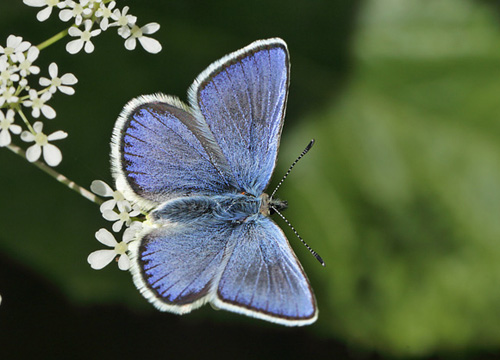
(400,195)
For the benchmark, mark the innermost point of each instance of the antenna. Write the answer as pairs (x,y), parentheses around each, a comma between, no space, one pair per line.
(315,254)
(308,147)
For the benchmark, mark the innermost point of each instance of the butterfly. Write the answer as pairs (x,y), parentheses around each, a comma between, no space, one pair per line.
(201,169)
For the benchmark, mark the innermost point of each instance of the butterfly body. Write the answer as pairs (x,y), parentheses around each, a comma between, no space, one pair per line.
(232,208)
(202,169)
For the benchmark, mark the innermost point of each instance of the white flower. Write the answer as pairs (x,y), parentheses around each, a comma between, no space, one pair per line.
(26,66)
(149,44)
(124,21)
(7,95)
(75,46)
(102,189)
(6,125)
(45,13)
(38,104)
(77,11)
(59,83)
(24,84)
(123,217)
(15,46)
(51,154)
(7,72)
(100,258)
(105,13)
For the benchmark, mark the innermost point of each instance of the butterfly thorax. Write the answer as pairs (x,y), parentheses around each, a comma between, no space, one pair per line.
(235,208)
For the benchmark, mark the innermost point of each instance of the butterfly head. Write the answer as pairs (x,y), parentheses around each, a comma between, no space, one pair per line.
(268,205)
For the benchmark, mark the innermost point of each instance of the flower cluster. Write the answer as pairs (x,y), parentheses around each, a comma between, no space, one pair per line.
(87,18)
(119,210)
(17,67)
(90,17)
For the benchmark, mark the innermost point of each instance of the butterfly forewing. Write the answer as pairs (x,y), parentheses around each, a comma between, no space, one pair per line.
(157,156)
(242,98)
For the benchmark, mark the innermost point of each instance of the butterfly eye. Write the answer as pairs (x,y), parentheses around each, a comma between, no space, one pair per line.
(277,205)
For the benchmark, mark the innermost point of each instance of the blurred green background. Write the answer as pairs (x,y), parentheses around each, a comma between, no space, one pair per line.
(400,195)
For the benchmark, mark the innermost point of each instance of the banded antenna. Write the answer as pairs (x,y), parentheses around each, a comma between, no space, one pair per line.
(308,147)
(314,253)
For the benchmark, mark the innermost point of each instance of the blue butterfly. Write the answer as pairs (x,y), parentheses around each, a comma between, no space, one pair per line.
(202,169)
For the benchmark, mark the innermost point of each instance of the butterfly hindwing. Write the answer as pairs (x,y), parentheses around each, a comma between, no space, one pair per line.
(244,267)
(175,266)
(264,279)
(242,98)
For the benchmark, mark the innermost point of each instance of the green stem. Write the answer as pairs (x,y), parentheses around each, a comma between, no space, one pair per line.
(59,177)
(52,40)
(25,119)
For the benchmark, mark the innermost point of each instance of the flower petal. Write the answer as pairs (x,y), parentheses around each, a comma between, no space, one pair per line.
(69,79)
(35,3)
(48,111)
(33,53)
(99,187)
(15,129)
(123,262)
(89,47)
(52,155)
(110,215)
(130,43)
(104,24)
(105,237)
(44,14)
(57,135)
(151,45)
(87,24)
(33,153)
(35,112)
(53,70)
(44,81)
(23,46)
(27,136)
(66,90)
(65,14)
(129,233)
(107,205)
(38,126)
(5,138)
(100,258)
(124,32)
(74,46)
(150,28)
(117,226)
(74,31)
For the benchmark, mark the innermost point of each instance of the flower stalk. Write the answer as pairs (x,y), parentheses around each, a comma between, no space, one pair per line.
(53,39)
(58,176)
